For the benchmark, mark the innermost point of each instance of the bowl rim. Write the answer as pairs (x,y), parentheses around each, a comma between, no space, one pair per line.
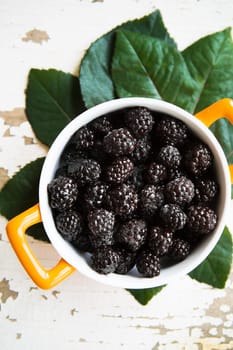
(70,254)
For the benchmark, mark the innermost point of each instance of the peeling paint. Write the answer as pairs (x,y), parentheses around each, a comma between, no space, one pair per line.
(11,319)
(73,311)
(55,293)
(3,177)
(28,140)
(6,292)
(36,36)
(82,340)
(14,117)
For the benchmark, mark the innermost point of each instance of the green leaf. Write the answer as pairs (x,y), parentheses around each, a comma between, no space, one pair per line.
(21,191)
(210,62)
(95,69)
(53,98)
(143,296)
(223,131)
(216,267)
(149,67)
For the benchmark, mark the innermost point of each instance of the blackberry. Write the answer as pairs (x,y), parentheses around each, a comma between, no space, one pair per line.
(127,261)
(198,159)
(171,131)
(63,193)
(179,191)
(84,171)
(180,249)
(95,194)
(101,222)
(148,264)
(105,260)
(122,200)
(205,190)
(159,240)
(69,224)
(169,156)
(120,169)
(132,234)
(151,199)
(173,216)
(201,219)
(119,142)
(84,138)
(156,173)
(139,120)
(101,125)
(142,150)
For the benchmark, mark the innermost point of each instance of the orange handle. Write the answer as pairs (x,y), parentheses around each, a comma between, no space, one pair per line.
(16,229)
(220,109)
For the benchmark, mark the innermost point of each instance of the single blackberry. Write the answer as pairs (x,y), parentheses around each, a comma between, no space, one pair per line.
(63,193)
(205,190)
(171,131)
(95,194)
(180,249)
(120,169)
(127,261)
(84,171)
(180,191)
(169,156)
(105,260)
(101,125)
(148,264)
(119,142)
(159,240)
(142,150)
(132,234)
(201,219)
(69,224)
(139,120)
(156,173)
(122,200)
(198,159)
(84,138)
(173,216)
(151,199)
(101,222)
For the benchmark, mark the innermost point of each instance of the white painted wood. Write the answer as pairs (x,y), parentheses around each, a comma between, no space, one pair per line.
(80,313)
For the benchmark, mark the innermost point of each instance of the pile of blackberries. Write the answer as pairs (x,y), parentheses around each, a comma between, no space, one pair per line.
(134,188)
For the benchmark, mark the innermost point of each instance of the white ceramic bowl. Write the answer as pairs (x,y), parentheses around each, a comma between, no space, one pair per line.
(132,280)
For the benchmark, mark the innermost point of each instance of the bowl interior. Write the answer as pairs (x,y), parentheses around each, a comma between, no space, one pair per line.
(81,260)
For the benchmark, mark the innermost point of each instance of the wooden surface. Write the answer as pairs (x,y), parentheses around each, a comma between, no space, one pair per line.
(80,313)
